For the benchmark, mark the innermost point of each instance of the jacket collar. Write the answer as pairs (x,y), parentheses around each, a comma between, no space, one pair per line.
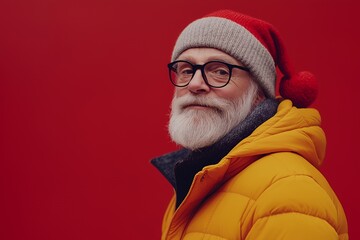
(182,165)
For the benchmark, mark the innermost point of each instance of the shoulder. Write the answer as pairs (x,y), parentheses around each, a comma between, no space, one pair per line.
(276,170)
(282,176)
(286,190)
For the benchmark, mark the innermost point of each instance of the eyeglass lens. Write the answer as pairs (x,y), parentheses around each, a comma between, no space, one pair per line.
(217,74)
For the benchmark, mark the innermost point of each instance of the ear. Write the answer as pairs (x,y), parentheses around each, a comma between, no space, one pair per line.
(260,96)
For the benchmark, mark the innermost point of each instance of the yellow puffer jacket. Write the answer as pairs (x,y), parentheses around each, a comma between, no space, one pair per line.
(267,187)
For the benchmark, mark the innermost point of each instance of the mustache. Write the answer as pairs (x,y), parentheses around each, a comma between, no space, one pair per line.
(189,100)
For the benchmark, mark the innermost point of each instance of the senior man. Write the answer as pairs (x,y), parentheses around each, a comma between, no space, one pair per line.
(248,167)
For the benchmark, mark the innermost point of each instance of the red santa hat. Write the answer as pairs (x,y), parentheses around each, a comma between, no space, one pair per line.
(257,45)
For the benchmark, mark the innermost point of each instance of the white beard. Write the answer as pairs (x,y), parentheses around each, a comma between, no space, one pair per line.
(194,128)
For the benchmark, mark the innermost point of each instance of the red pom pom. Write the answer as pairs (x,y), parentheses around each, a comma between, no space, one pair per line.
(301,89)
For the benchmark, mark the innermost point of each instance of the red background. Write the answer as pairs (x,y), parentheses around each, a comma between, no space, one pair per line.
(84,101)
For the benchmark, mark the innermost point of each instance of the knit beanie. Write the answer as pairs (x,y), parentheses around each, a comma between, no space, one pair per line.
(257,45)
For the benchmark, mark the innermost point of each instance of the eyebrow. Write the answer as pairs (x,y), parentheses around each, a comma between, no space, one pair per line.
(211,58)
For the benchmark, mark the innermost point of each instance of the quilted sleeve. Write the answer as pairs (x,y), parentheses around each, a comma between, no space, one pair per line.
(295,207)
(292,226)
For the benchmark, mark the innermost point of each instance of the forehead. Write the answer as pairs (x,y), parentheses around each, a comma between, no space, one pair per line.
(202,55)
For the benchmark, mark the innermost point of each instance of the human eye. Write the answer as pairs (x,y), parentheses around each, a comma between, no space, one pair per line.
(184,69)
(221,72)
(218,70)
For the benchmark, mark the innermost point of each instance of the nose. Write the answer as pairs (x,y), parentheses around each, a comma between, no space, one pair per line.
(198,84)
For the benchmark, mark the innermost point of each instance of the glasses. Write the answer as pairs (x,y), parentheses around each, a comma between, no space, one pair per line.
(216,74)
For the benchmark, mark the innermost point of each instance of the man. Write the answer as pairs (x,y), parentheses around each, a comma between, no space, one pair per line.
(249,164)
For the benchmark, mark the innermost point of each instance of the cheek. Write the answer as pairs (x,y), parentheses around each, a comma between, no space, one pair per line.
(180,92)
(231,93)
(236,89)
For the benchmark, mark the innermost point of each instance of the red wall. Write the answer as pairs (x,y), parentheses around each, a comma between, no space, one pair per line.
(84,101)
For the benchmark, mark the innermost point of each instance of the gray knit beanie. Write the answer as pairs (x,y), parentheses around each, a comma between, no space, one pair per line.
(257,45)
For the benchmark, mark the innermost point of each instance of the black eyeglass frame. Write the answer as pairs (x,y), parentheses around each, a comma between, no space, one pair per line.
(196,67)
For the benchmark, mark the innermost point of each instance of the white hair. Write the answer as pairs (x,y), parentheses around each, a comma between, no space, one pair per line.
(194,129)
